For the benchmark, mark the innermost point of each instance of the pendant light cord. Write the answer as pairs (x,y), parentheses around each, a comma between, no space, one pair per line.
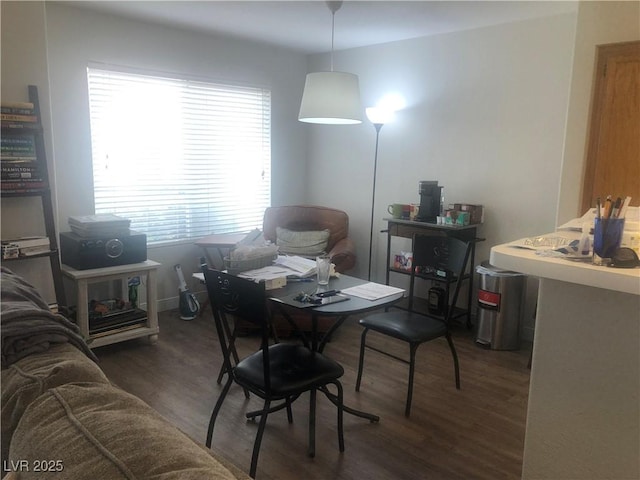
(334,6)
(333,29)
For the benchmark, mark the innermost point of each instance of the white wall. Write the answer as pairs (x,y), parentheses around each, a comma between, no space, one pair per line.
(485,117)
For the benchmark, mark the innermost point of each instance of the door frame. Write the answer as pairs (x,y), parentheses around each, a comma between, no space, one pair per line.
(603,54)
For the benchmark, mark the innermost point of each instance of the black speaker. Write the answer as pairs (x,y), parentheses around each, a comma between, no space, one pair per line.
(84,253)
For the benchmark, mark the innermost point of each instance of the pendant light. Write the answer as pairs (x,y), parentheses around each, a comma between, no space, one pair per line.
(331,97)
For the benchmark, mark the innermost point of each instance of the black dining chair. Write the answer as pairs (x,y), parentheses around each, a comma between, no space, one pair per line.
(440,261)
(276,372)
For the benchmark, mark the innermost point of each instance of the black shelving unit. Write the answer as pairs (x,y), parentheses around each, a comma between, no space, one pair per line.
(11,128)
(409,228)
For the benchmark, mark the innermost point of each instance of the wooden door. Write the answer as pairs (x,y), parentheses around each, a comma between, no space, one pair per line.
(613,156)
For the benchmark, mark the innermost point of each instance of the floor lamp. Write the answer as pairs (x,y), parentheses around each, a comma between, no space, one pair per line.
(378,117)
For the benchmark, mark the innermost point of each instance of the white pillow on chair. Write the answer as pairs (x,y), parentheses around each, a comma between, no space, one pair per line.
(305,243)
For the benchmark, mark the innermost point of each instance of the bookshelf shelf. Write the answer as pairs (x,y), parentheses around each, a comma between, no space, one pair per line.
(24,174)
(36,255)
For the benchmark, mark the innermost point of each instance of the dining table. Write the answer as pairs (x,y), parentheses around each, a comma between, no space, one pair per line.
(339,301)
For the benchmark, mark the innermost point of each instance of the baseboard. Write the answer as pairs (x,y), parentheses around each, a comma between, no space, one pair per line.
(173,303)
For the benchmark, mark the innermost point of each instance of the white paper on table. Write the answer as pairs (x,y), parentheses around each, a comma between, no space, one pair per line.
(372,291)
(299,266)
(265,273)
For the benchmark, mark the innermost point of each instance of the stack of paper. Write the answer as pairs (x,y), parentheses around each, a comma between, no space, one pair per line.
(99,225)
(297,266)
(372,291)
(272,276)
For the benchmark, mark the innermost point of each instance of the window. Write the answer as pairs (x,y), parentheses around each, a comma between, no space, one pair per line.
(180,158)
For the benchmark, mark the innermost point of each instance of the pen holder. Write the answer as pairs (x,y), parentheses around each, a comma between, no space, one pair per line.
(607,236)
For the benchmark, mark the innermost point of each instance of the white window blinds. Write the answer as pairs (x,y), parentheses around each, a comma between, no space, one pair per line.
(180,158)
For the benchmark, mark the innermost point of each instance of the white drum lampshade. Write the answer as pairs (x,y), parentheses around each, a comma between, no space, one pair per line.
(331,98)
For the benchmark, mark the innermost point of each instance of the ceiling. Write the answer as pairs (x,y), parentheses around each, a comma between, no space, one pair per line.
(305,26)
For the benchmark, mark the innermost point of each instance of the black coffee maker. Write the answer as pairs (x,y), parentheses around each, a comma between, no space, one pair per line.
(430,201)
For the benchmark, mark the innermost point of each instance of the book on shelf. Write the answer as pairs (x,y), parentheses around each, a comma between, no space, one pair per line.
(27,143)
(25,182)
(12,117)
(17,153)
(19,105)
(18,150)
(9,250)
(19,171)
(19,175)
(26,242)
(27,246)
(17,140)
(21,126)
(24,185)
(17,110)
(31,251)
(12,163)
(15,159)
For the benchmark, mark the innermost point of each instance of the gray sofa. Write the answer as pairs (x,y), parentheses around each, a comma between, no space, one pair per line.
(61,417)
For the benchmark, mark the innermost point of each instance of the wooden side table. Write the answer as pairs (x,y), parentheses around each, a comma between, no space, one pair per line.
(148,327)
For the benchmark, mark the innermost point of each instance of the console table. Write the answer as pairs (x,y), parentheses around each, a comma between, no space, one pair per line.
(408,228)
(147,325)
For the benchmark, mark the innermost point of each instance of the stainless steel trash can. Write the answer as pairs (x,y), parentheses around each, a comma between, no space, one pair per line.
(500,307)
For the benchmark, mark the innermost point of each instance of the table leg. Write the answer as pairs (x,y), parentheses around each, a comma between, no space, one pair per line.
(358,413)
(332,329)
(82,305)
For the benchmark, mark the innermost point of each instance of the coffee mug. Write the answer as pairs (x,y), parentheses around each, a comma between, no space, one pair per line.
(415,210)
(395,209)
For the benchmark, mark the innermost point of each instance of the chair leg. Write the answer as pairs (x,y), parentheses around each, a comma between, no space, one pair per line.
(231,336)
(216,410)
(252,415)
(340,398)
(363,338)
(412,368)
(312,423)
(289,411)
(456,365)
(258,441)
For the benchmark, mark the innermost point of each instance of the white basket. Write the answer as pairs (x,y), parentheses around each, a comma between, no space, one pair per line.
(237,266)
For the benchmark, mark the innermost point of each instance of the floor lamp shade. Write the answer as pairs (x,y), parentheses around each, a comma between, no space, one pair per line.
(331,98)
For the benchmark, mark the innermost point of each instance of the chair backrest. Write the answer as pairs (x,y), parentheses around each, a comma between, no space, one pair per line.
(306,217)
(243,299)
(442,254)
(441,257)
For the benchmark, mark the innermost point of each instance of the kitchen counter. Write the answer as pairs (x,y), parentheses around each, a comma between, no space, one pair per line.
(583,417)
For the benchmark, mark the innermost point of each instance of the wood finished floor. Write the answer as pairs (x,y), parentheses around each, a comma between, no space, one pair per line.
(473,433)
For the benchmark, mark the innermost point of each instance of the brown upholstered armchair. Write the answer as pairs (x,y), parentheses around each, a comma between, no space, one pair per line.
(300,218)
